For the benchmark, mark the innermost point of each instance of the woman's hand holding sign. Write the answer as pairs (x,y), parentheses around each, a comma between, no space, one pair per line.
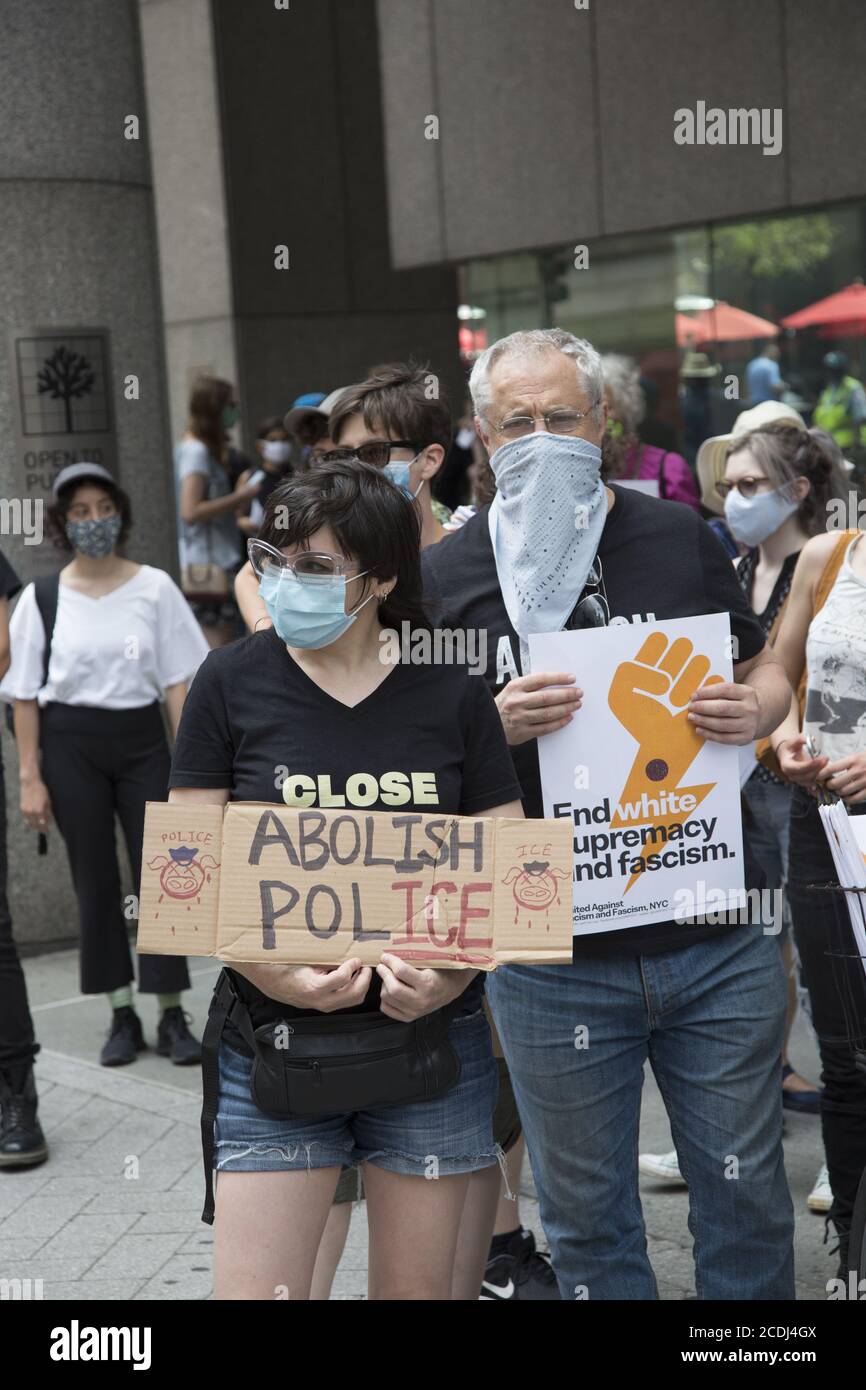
(322,987)
(408,993)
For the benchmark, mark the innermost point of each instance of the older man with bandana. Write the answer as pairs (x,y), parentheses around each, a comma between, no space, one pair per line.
(704,1003)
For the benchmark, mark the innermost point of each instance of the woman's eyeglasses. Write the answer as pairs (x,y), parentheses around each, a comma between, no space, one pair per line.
(746,487)
(592,609)
(307,564)
(377,453)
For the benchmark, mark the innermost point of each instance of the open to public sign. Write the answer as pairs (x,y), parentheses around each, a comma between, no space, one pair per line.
(654,809)
(260,882)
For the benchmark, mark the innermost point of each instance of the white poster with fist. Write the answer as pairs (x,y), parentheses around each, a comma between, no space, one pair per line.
(648,770)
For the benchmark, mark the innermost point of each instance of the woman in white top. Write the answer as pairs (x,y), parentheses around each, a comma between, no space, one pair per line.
(90,735)
(828,642)
(209,505)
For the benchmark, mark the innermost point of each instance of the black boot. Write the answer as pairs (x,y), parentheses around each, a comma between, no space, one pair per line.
(22,1143)
(174,1039)
(125,1039)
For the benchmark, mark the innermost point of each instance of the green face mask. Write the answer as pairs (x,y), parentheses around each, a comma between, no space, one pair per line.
(230,416)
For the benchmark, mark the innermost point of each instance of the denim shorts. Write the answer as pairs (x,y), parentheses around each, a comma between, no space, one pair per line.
(453,1134)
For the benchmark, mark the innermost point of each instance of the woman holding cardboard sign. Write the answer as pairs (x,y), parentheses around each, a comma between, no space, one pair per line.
(305,713)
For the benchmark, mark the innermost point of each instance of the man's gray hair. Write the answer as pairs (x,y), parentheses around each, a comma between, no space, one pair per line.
(622,383)
(533,342)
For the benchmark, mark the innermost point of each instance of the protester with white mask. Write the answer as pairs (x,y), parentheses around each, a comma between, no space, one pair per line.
(274,450)
(704,1003)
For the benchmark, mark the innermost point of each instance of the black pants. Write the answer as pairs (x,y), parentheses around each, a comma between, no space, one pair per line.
(96,762)
(822,930)
(17,1040)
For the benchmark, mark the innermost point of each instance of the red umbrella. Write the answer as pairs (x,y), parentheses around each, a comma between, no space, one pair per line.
(725,323)
(847,307)
(687,330)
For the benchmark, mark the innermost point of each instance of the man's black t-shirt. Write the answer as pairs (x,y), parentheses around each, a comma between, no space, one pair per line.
(254,722)
(659,561)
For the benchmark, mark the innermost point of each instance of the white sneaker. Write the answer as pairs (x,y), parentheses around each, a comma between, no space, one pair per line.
(662,1167)
(821,1196)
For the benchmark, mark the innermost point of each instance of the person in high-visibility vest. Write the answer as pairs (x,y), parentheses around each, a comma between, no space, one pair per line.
(841,408)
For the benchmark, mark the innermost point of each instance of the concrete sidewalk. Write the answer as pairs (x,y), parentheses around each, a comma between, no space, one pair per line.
(115,1212)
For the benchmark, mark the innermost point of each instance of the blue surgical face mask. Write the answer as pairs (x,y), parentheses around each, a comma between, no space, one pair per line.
(96,538)
(399,475)
(308,613)
(752,519)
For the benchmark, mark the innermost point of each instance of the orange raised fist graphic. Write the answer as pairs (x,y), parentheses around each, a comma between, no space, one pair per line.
(650,697)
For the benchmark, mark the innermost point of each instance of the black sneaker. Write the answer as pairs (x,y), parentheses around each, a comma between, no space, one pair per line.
(125,1039)
(520,1272)
(22,1143)
(174,1039)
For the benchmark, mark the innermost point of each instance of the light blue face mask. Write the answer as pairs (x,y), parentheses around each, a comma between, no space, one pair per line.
(752,519)
(308,613)
(399,475)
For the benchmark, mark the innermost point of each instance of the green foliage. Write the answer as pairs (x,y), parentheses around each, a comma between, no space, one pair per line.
(774,246)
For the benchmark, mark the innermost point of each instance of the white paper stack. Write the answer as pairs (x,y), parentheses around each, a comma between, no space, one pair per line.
(846,836)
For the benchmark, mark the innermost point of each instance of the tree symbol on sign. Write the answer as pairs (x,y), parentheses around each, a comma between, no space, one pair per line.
(65,376)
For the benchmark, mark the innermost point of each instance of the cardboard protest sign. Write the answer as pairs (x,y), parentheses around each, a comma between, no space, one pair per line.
(654,808)
(262,882)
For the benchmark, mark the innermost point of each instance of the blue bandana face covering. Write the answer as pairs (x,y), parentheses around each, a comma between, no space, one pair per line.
(308,613)
(94,538)
(545,524)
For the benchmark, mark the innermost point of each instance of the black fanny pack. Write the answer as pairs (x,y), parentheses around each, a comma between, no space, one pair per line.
(326,1064)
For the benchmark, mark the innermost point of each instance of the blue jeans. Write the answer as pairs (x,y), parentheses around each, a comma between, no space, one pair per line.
(709,1017)
(770,805)
(452,1133)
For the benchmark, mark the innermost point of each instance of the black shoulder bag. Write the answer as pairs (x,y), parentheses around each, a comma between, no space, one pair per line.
(46,591)
(326,1064)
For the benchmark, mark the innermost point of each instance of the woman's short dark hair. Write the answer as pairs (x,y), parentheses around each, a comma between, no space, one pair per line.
(58,512)
(372,520)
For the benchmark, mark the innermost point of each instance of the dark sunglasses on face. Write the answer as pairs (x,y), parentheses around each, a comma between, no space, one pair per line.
(377,452)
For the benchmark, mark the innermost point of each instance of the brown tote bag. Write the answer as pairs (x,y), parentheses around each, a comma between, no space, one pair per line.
(763,750)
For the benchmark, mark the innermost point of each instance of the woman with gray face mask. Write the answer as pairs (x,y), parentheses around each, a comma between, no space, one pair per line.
(96,650)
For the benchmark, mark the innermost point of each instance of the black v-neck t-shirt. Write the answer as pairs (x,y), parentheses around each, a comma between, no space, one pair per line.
(660,561)
(254,722)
